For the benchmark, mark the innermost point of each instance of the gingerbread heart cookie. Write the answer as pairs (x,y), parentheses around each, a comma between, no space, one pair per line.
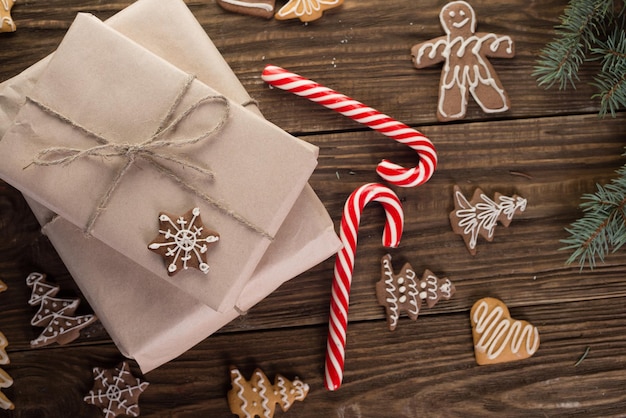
(498,338)
(260,8)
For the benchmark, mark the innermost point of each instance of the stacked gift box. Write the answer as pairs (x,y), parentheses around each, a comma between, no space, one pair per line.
(139,116)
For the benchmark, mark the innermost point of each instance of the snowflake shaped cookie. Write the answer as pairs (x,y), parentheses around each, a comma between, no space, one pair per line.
(183,241)
(116,391)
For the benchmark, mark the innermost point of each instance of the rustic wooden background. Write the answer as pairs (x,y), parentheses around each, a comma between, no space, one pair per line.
(550,148)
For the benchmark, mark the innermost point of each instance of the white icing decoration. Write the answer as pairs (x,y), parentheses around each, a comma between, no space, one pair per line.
(282,390)
(431,287)
(446,289)
(474,71)
(264,6)
(263,394)
(237,379)
(185,241)
(499,333)
(391,292)
(484,216)
(110,396)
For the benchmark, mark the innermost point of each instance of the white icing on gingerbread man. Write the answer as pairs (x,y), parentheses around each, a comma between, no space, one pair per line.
(466,67)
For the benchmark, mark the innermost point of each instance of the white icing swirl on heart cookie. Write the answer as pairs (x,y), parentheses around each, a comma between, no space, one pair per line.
(498,335)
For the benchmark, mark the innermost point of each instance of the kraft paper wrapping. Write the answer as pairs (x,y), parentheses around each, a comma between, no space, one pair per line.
(259,174)
(122,293)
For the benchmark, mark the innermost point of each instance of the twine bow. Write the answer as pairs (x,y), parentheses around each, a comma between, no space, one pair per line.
(149,150)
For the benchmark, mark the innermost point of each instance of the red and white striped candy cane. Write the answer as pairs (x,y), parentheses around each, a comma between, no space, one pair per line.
(344,265)
(391,172)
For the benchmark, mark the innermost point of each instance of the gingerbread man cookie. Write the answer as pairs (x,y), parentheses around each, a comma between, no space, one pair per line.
(466,69)
(6,21)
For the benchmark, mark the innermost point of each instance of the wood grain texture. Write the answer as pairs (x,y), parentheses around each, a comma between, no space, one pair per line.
(549,148)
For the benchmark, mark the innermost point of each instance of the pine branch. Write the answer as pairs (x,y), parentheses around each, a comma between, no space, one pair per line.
(611,82)
(560,60)
(590,30)
(602,229)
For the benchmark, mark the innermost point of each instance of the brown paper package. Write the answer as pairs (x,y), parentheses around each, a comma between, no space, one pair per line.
(123,293)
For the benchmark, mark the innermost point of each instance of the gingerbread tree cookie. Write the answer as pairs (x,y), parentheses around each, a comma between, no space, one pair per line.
(55,315)
(183,241)
(258,397)
(466,68)
(5,380)
(116,391)
(6,21)
(306,10)
(479,216)
(498,338)
(403,292)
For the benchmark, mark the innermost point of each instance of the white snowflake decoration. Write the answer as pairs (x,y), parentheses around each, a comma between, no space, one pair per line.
(183,242)
(116,391)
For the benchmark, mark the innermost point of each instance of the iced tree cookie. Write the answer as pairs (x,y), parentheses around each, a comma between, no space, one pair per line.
(306,10)
(498,338)
(404,292)
(183,241)
(260,8)
(480,216)
(258,397)
(55,315)
(466,69)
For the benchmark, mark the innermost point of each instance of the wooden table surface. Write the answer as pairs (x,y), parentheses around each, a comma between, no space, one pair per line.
(550,148)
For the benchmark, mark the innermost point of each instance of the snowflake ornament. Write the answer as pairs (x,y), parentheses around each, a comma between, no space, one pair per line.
(183,241)
(116,391)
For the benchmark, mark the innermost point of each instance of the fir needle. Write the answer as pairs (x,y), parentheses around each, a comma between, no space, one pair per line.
(580,360)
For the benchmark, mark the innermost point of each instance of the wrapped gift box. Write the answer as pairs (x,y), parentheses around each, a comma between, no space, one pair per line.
(122,293)
(85,98)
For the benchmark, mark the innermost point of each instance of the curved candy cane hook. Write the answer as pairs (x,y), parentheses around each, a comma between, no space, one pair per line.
(391,172)
(344,265)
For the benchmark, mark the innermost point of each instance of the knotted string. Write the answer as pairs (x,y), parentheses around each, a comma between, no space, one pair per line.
(148,150)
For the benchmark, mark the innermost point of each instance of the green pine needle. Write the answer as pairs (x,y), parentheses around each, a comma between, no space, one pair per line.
(602,229)
(590,30)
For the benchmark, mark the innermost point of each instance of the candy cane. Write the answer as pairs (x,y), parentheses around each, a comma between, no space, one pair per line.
(344,265)
(391,172)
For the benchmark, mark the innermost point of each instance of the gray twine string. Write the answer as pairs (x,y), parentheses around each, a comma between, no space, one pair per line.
(148,150)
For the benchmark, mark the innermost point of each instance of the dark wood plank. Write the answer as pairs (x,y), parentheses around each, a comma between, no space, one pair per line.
(423,368)
(550,148)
